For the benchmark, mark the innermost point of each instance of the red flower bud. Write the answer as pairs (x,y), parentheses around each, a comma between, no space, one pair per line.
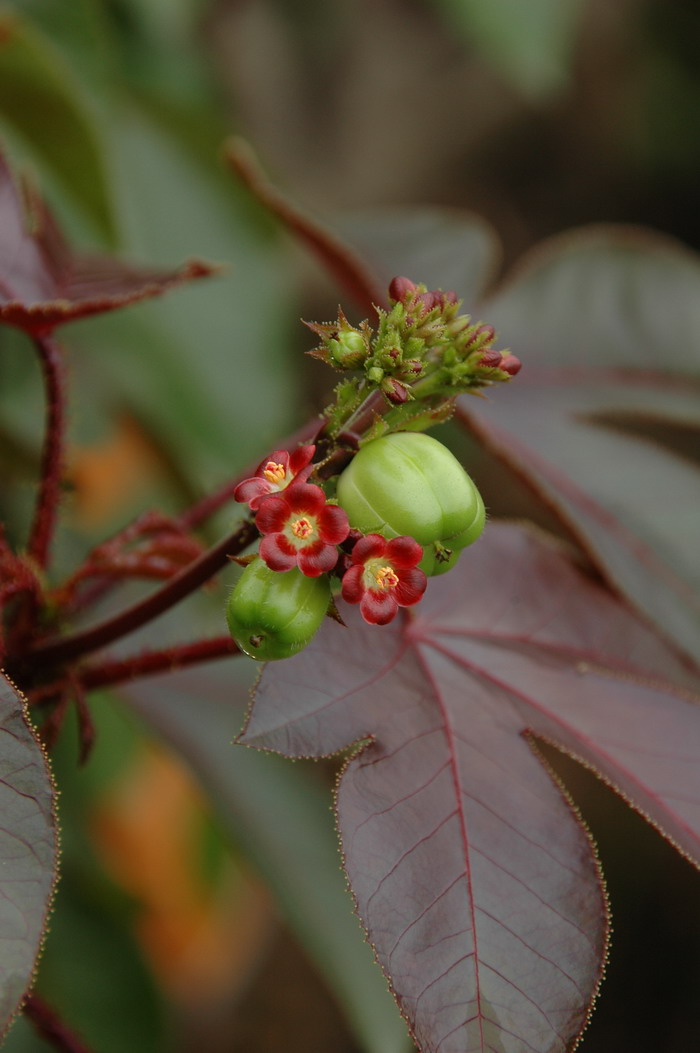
(400,289)
(483,334)
(395,391)
(510,364)
(491,357)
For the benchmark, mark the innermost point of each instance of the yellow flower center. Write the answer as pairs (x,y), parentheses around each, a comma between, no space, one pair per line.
(274,472)
(386,578)
(302,528)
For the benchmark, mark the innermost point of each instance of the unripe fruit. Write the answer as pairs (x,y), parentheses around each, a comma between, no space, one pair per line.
(410,484)
(274,614)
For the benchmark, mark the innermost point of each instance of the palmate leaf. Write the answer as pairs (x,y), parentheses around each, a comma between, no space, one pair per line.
(44,284)
(606,321)
(472,873)
(28,851)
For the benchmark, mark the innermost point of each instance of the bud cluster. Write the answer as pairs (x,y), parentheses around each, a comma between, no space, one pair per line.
(423,349)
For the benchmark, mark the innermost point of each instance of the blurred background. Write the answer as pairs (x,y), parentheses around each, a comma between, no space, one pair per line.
(202,903)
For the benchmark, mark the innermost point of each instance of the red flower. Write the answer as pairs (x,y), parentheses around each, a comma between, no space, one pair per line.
(301,530)
(384,576)
(275,473)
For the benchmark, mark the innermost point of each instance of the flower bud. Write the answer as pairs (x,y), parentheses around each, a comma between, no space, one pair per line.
(400,289)
(510,364)
(491,357)
(348,350)
(395,391)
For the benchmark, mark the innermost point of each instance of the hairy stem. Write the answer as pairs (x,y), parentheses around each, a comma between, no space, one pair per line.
(43,526)
(149,663)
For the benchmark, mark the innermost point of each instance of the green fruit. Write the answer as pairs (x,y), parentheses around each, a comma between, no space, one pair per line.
(273,614)
(410,484)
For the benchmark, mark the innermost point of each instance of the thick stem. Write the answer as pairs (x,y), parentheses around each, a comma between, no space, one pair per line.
(177,588)
(51,1028)
(44,524)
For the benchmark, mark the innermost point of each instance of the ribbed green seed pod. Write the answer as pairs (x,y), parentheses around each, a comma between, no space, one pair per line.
(409,483)
(274,614)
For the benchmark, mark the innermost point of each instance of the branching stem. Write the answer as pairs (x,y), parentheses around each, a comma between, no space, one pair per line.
(43,526)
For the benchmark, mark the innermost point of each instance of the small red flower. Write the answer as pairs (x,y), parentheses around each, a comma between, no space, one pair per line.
(384,576)
(301,530)
(275,473)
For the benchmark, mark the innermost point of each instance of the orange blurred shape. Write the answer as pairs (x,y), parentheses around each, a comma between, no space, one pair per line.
(106,477)
(203,939)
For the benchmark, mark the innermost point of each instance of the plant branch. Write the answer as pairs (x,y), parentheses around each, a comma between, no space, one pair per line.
(51,1028)
(149,663)
(337,257)
(43,526)
(194,575)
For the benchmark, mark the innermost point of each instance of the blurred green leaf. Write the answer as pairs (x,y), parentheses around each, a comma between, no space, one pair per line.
(212,370)
(281,819)
(45,105)
(530,43)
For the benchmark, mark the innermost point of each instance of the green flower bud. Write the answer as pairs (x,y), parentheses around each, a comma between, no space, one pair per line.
(410,484)
(274,614)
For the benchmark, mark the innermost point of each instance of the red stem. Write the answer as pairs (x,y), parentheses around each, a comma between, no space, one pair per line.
(51,1028)
(42,530)
(190,578)
(148,663)
(337,257)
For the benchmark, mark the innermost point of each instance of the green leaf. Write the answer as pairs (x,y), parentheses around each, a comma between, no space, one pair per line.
(42,102)
(530,43)
(28,850)
(281,818)
(212,371)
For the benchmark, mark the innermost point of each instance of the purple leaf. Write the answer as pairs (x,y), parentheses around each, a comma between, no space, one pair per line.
(43,284)
(606,323)
(28,851)
(471,871)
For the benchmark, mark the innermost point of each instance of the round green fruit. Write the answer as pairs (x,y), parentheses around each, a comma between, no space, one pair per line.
(410,484)
(273,614)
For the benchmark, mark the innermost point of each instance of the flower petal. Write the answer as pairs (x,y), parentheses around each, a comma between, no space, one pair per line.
(277,457)
(404,552)
(378,607)
(252,490)
(316,559)
(369,547)
(300,458)
(272,515)
(333,524)
(412,584)
(305,497)
(352,587)
(277,552)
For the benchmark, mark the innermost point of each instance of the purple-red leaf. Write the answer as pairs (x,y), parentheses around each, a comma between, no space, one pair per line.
(28,851)
(43,284)
(475,879)
(607,325)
